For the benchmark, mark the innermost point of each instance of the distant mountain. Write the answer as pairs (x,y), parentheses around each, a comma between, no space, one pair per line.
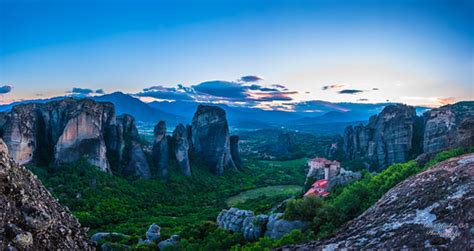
(126,104)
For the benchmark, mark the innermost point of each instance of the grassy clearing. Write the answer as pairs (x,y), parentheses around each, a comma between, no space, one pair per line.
(268,191)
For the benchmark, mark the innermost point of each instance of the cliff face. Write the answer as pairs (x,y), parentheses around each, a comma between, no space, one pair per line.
(448,126)
(386,139)
(30,218)
(430,210)
(210,138)
(63,131)
(160,149)
(181,147)
(397,134)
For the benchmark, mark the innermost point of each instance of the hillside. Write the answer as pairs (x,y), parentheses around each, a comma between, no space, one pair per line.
(430,210)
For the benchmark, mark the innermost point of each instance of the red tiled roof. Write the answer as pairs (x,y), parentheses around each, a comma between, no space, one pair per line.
(320,184)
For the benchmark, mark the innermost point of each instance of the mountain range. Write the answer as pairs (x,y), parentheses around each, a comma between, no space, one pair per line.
(326,116)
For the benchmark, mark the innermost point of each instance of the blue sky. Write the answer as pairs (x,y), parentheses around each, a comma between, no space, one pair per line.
(415,52)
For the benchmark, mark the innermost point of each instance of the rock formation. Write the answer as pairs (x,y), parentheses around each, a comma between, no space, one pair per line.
(181,147)
(243,221)
(210,138)
(129,151)
(30,218)
(253,227)
(387,139)
(397,134)
(160,149)
(66,130)
(235,151)
(431,210)
(449,126)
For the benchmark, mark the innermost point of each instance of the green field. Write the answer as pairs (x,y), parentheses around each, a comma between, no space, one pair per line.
(268,191)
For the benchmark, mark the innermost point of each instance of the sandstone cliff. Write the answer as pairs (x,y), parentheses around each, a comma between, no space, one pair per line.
(66,130)
(430,210)
(30,218)
(210,138)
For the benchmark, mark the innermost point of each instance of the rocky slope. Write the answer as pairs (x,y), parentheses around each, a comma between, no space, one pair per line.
(30,218)
(430,210)
(181,147)
(66,130)
(397,134)
(211,139)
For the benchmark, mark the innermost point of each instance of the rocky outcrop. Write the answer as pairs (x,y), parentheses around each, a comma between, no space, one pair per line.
(235,151)
(168,243)
(160,149)
(132,157)
(277,227)
(397,135)
(431,210)
(153,233)
(63,131)
(449,126)
(210,138)
(181,148)
(243,221)
(343,178)
(30,218)
(253,227)
(387,138)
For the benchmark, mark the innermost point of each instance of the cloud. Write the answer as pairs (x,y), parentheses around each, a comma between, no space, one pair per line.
(329,87)
(363,99)
(446,101)
(350,91)
(375,89)
(77,90)
(250,78)
(169,93)
(100,91)
(239,92)
(279,86)
(5,89)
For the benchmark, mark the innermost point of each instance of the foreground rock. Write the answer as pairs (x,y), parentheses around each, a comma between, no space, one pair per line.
(210,138)
(430,210)
(253,227)
(173,240)
(30,218)
(66,130)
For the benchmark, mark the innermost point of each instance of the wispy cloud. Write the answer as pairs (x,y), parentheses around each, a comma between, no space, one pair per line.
(329,87)
(251,78)
(350,91)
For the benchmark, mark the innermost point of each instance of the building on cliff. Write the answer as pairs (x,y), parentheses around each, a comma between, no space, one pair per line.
(329,168)
(319,188)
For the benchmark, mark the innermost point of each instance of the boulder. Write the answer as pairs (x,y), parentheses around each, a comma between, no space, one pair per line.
(153,233)
(173,240)
(160,149)
(210,138)
(243,221)
(278,227)
(428,211)
(97,237)
(30,218)
(181,147)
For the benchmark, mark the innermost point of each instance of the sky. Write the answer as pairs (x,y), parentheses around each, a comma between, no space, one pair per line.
(257,53)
